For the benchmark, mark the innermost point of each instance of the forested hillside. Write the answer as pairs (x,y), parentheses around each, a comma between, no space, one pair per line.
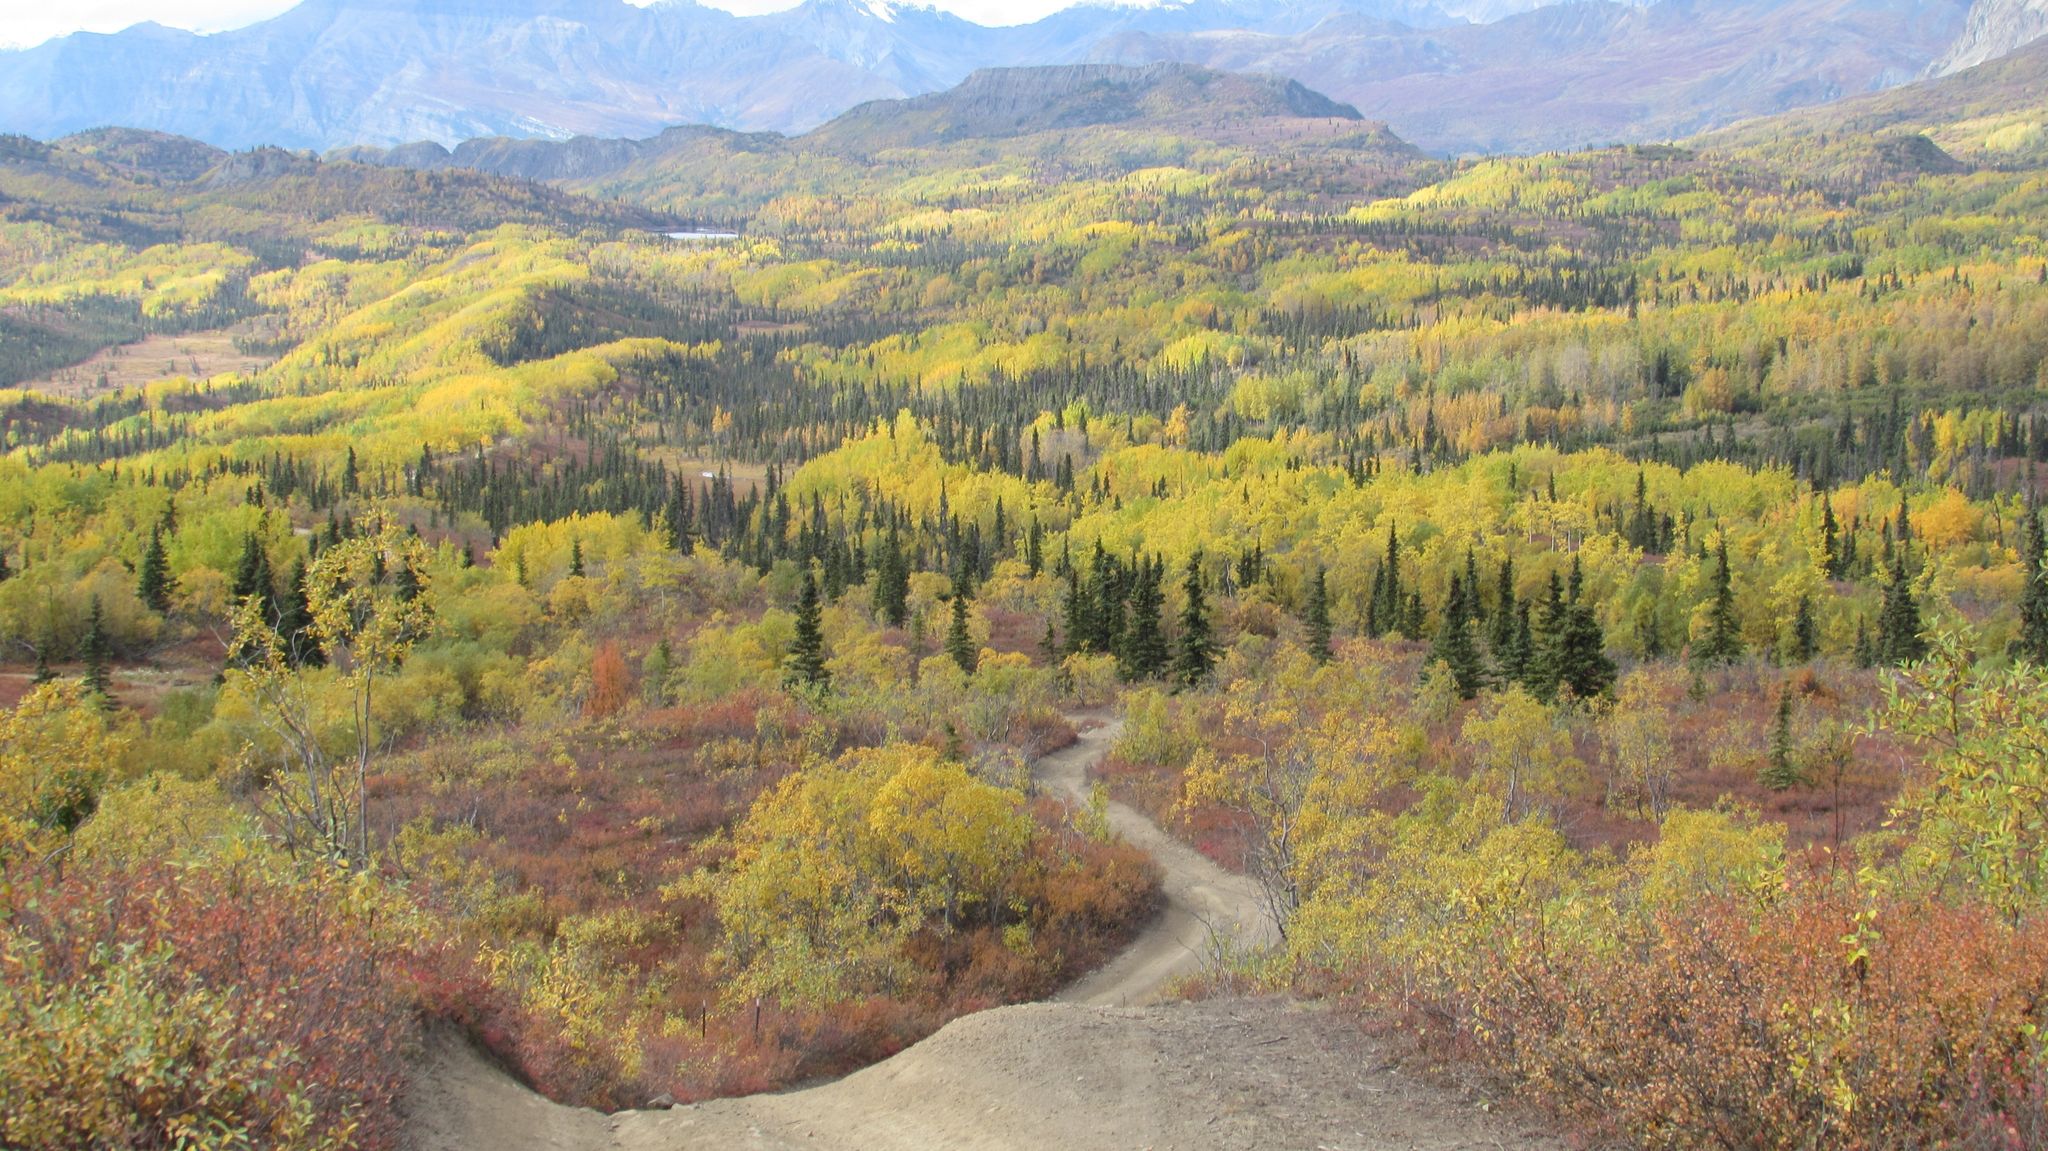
(1598,596)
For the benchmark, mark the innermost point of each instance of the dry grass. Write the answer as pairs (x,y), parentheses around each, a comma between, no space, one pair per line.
(195,355)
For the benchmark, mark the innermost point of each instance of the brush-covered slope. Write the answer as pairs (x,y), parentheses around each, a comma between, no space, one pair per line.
(1992,115)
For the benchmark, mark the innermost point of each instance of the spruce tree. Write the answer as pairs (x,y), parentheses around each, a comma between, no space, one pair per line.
(1723,641)
(1475,604)
(1805,632)
(1504,608)
(1075,613)
(892,582)
(1544,668)
(575,557)
(805,666)
(2032,643)
(1581,661)
(1316,616)
(1145,654)
(253,576)
(1898,622)
(1034,549)
(1512,659)
(1830,533)
(154,582)
(959,640)
(1411,617)
(1195,651)
(295,621)
(1453,646)
(1388,606)
(1781,771)
(1106,609)
(98,653)
(681,517)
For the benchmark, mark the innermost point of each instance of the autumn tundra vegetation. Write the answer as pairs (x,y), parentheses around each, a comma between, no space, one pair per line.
(1599,597)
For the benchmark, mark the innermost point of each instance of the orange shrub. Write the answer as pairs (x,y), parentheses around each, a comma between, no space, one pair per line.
(1823,1020)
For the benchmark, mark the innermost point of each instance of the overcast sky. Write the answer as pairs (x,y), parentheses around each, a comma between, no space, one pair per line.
(25,22)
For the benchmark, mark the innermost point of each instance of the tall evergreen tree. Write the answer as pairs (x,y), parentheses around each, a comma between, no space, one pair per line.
(892,582)
(1581,660)
(2032,643)
(1513,659)
(1387,610)
(1475,603)
(154,583)
(1898,621)
(1830,537)
(253,576)
(1412,620)
(1505,603)
(575,557)
(681,517)
(1543,671)
(959,639)
(99,679)
(805,665)
(1145,654)
(1034,549)
(1723,641)
(1453,646)
(1315,616)
(1805,632)
(295,621)
(1195,650)
(1076,614)
(1107,615)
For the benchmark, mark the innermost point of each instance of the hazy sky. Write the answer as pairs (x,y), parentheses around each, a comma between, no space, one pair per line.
(25,22)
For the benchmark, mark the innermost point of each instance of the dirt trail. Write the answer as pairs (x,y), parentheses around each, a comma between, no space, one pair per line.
(1082,1073)
(1203,901)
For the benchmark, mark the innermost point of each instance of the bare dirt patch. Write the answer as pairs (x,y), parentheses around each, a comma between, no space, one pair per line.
(1227,1073)
(195,355)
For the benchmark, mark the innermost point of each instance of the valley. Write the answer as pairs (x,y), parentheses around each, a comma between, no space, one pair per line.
(1572,623)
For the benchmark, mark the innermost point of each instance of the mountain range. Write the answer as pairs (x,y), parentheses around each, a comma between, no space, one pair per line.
(1453,76)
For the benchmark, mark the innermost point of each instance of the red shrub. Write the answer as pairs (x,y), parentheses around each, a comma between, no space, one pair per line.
(313,984)
(1800,1025)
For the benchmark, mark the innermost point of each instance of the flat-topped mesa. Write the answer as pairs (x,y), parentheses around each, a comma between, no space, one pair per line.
(996,103)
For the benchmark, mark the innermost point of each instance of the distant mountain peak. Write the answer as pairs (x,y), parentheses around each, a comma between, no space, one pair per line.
(1455,76)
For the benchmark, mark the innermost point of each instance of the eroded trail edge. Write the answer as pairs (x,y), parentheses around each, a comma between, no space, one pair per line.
(1104,1065)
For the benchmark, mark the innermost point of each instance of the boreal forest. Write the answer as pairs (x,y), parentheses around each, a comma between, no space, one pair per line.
(1595,599)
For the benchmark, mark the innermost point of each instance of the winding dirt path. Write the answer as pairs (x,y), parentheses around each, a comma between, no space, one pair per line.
(1204,903)
(1104,1067)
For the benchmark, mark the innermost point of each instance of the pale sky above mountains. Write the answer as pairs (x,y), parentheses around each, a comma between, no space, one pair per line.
(27,22)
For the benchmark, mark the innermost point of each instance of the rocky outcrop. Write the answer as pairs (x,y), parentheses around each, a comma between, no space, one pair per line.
(1995,28)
